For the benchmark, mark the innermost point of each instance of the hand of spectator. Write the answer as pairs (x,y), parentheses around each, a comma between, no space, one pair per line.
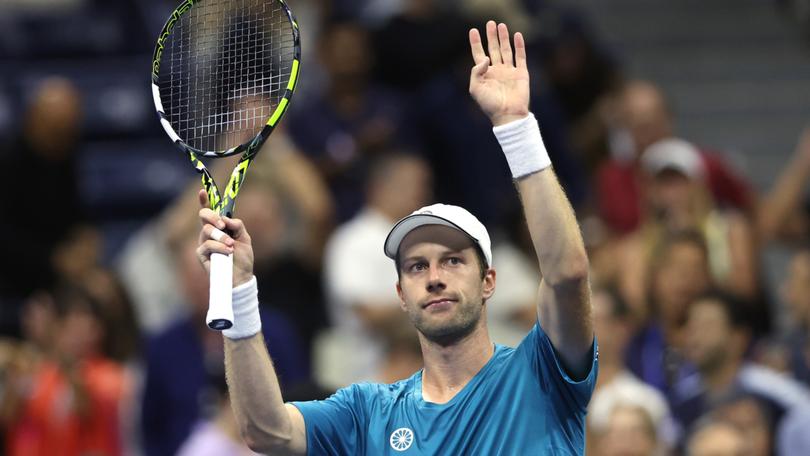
(499,83)
(235,240)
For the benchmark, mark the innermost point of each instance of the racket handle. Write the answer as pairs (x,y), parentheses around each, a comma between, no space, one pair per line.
(220,304)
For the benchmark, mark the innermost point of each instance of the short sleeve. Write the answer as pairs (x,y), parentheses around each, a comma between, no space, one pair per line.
(334,426)
(546,365)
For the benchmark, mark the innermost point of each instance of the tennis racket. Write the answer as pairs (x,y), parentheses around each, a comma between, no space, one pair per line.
(223,74)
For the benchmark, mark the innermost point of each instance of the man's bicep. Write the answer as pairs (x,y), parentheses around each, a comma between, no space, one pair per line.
(298,440)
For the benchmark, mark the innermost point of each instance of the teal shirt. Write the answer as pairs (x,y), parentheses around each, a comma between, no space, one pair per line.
(520,403)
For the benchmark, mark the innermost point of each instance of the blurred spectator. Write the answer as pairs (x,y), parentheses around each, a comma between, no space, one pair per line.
(341,128)
(617,387)
(73,402)
(359,279)
(177,359)
(679,273)
(750,415)
(402,355)
(642,117)
(718,336)
(795,290)
(677,199)
(512,311)
(426,39)
(40,168)
(218,434)
(716,438)
(781,215)
(630,431)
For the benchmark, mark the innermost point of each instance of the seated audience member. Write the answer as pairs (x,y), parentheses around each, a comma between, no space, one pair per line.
(352,120)
(642,118)
(217,434)
(358,277)
(718,336)
(630,431)
(72,402)
(676,199)
(679,273)
(716,438)
(616,386)
(795,292)
(752,417)
(177,360)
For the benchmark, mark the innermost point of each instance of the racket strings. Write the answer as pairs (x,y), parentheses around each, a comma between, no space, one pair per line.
(224,70)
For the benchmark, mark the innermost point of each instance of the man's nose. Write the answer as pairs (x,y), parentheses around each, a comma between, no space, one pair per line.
(435,281)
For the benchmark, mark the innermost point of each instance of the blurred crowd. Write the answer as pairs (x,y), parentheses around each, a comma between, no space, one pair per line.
(104,349)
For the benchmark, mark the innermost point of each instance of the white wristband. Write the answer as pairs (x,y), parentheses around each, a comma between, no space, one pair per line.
(523,146)
(246,320)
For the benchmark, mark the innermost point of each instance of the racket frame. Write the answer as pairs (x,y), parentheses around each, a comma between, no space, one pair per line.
(220,310)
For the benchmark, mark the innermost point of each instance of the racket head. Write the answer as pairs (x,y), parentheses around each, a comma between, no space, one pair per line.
(223,74)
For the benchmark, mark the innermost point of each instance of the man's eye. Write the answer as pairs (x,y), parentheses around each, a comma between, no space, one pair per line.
(454,261)
(416,267)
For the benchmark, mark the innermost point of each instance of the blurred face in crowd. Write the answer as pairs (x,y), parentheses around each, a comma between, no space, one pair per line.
(682,276)
(263,214)
(79,333)
(53,118)
(643,114)
(629,433)
(718,439)
(611,330)
(440,286)
(795,289)
(403,187)
(711,342)
(192,277)
(346,54)
(674,199)
(746,414)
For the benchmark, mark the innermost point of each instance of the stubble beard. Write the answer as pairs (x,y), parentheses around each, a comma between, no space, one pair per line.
(444,333)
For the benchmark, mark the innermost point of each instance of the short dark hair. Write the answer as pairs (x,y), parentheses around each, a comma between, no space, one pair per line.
(738,310)
(482,262)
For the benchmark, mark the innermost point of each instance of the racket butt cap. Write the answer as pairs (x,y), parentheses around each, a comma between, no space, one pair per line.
(220,324)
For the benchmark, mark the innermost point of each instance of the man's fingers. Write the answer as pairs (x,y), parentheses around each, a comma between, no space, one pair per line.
(477,47)
(210,246)
(481,68)
(492,43)
(202,197)
(236,228)
(211,232)
(210,217)
(506,46)
(520,51)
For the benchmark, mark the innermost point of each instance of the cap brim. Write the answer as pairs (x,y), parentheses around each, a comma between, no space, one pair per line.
(410,223)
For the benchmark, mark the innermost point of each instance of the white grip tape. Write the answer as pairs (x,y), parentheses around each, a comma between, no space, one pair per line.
(523,146)
(220,304)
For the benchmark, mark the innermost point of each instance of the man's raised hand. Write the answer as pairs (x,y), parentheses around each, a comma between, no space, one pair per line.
(500,83)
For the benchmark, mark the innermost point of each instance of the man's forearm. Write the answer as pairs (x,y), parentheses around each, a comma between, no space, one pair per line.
(553,226)
(255,394)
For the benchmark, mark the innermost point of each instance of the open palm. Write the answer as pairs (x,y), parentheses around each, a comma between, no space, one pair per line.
(500,83)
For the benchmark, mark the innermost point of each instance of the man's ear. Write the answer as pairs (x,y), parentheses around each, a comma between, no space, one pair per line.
(489,283)
(401,297)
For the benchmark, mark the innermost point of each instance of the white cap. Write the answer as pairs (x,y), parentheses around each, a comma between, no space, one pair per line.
(440,214)
(675,154)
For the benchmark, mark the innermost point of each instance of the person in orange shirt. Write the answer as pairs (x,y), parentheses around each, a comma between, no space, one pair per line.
(70,404)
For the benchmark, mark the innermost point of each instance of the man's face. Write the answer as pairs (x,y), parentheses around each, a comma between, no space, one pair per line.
(440,286)
(682,277)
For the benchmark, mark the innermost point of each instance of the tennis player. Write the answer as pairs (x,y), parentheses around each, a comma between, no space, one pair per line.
(472,397)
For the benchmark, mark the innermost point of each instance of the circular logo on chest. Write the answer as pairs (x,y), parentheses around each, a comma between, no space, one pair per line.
(401,439)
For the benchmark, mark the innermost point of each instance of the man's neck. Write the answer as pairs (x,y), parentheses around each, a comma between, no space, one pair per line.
(448,368)
(720,379)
